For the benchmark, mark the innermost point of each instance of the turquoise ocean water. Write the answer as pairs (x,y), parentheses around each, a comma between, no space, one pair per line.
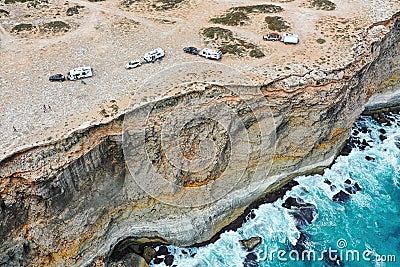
(358,227)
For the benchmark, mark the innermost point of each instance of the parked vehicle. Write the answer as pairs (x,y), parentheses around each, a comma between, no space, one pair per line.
(191,50)
(133,64)
(273,36)
(211,53)
(57,78)
(290,38)
(154,55)
(80,73)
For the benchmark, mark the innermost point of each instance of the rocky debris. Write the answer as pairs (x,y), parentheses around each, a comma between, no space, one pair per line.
(304,213)
(4,13)
(351,187)
(148,253)
(251,243)
(73,10)
(169,260)
(129,249)
(369,158)
(341,196)
(163,255)
(313,77)
(397,144)
(375,33)
(251,260)
(301,243)
(130,260)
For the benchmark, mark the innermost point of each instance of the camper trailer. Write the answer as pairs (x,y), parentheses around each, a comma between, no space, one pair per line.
(210,53)
(154,55)
(80,73)
(290,38)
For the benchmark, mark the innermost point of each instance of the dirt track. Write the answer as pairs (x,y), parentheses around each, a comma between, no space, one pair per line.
(105,36)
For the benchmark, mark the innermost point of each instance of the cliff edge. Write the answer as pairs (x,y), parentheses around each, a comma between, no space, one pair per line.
(72,200)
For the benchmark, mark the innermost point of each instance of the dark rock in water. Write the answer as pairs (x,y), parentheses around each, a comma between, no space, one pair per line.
(364,144)
(382,137)
(350,189)
(333,187)
(369,158)
(364,129)
(304,215)
(327,182)
(301,243)
(291,202)
(251,243)
(341,196)
(169,260)
(357,186)
(162,250)
(346,149)
(397,144)
(355,132)
(382,131)
(251,215)
(158,260)
(348,181)
(251,260)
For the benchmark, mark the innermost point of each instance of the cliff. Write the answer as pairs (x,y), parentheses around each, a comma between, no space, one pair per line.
(72,200)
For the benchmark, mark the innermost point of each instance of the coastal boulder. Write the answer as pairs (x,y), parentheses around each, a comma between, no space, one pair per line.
(251,243)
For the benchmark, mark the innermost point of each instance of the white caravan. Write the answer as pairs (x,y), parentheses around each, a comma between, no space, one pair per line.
(290,38)
(80,73)
(154,55)
(211,53)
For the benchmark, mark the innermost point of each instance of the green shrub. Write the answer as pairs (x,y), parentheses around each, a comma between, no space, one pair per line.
(239,15)
(276,23)
(256,53)
(22,27)
(232,19)
(217,32)
(16,1)
(168,4)
(258,9)
(321,41)
(323,4)
(55,26)
(233,49)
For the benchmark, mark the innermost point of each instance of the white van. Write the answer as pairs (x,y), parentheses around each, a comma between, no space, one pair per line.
(80,73)
(290,38)
(211,53)
(154,55)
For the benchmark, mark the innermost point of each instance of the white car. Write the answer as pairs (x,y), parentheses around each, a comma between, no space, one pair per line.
(133,64)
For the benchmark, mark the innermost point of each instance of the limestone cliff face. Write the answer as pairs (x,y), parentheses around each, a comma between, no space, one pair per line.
(68,202)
